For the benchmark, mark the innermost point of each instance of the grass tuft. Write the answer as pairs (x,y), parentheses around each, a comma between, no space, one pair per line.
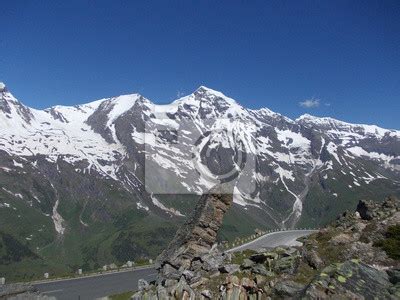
(391,243)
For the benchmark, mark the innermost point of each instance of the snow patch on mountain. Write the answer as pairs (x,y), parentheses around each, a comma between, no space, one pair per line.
(121,105)
(57,219)
(172,211)
(360,152)
(332,149)
(293,139)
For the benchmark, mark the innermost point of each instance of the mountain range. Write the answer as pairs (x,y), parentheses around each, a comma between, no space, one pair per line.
(111,180)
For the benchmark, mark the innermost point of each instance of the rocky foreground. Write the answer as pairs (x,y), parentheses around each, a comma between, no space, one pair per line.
(356,257)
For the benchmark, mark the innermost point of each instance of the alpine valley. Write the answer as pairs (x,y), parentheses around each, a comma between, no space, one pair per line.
(88,185)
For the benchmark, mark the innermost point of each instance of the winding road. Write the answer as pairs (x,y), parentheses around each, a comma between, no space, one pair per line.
(274,239)
(96,286)
(102,285)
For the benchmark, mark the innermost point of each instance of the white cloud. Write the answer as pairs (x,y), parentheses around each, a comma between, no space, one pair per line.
(310,103)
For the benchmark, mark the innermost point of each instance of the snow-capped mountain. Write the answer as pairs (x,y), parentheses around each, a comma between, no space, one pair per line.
(74,167)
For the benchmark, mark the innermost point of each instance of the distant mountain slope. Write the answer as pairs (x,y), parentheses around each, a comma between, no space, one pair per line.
(83,179)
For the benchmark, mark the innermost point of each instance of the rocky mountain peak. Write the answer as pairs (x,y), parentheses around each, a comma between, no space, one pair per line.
(206,94)
(204,89)
(310,119)
(13,110)
(2,87)
(349,134)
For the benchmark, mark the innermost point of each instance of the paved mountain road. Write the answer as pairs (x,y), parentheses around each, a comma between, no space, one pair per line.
(97,286)
(274,239)
(93,287)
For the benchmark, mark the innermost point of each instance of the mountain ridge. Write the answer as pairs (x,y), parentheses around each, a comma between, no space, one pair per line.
(95,103)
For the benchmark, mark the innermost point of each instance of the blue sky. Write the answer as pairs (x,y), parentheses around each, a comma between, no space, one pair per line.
(339,58)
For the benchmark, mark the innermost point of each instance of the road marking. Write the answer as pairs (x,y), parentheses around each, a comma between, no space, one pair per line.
(152,274)
(51,292)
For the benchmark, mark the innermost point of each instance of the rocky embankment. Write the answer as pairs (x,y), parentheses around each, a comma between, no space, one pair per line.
(21,291)
(356,257)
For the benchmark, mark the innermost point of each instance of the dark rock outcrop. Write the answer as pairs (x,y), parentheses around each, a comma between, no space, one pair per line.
(365,209)
(288,288)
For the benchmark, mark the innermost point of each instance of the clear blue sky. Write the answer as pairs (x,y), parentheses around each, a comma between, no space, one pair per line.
(274,54)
